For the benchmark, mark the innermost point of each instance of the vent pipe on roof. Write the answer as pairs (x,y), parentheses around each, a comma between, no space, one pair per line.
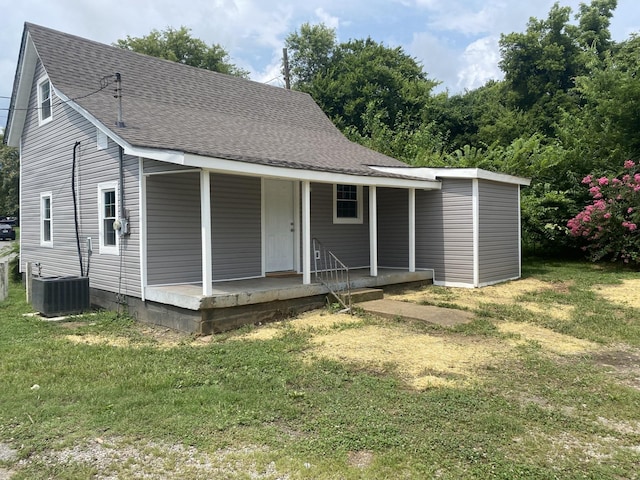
(118,95)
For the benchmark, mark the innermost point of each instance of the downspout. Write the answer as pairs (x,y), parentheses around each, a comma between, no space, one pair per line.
(75,206)
(123,221)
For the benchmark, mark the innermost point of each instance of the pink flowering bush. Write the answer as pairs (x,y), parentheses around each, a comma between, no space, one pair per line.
(609,224)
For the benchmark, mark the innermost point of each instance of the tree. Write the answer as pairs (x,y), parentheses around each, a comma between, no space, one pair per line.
(311,50)
(179,46)
(9,179)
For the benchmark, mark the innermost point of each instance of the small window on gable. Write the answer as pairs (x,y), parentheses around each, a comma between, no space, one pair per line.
(102,141)
(347,203)
(46,220)
(45,111)
(108,205)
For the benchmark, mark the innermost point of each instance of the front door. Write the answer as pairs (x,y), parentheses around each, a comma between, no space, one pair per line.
(279,225)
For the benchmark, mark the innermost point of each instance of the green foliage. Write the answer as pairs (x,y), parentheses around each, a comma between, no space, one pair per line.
(179,46)
(544,213)
(9,179)
(311,51)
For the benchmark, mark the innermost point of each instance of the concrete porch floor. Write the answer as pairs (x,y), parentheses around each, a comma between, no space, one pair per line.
(237,293)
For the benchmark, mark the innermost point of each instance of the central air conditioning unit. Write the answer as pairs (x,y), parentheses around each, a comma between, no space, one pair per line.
(55,296)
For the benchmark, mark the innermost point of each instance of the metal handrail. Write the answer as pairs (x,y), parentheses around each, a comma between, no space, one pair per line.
(333,274)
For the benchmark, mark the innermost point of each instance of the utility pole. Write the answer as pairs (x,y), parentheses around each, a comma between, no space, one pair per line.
(285,62)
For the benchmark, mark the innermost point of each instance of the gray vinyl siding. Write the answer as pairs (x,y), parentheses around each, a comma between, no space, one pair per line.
(236,226)
(349,242)
(498,251)
(154,166)
(174,244)
(393,227)
(46,162)
(444,231)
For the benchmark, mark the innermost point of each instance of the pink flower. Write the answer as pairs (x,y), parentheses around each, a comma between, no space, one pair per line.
(630,210)
(616,181)
(629,164)
(630,226)
(626,178)
(594,190)
(636,177)
(587,179)
(607,215)
(603,181)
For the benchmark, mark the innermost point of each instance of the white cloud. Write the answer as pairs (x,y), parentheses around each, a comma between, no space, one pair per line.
(329,20)
(480,60)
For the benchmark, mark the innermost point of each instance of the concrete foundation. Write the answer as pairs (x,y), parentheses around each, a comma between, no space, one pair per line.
(236,303)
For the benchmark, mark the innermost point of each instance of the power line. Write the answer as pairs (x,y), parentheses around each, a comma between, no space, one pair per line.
(104,83)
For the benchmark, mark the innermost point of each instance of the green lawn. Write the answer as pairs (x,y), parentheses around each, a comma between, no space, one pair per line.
(236,407)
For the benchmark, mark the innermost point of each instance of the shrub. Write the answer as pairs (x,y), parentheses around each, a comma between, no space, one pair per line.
(609,224)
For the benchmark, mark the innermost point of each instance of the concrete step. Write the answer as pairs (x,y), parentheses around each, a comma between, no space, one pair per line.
(359,295)
(394,309)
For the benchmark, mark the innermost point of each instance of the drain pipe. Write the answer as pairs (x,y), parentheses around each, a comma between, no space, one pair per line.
(75,206)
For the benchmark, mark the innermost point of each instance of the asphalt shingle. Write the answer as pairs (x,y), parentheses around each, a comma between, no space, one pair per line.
(171,106)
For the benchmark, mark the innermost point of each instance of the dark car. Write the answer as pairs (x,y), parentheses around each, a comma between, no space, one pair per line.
(7,232)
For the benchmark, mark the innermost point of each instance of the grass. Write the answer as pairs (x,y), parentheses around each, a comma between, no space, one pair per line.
(271,408)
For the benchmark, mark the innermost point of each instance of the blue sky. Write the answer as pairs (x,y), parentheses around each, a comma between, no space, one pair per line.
(455,40)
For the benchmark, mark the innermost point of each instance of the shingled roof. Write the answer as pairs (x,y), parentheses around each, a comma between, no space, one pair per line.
(170,106)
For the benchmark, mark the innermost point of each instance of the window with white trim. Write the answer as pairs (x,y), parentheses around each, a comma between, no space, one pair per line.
(46,219)
(108,213)
(347,203)
(45,110)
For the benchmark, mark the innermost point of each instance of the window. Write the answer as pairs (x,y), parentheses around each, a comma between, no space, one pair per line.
(102,141)
(45,112)
(108,205)
(347,204)
(46,220)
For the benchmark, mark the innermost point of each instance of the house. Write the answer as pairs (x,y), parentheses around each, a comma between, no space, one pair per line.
(192,197)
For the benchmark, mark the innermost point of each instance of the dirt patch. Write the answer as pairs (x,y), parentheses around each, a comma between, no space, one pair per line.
(548,339)
(624,364)
(316,321)
(421,360)
(627,294)
(115,458)
(502,294)
(360,459)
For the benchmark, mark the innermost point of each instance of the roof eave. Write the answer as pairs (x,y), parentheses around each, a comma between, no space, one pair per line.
(22,84)
(462,173)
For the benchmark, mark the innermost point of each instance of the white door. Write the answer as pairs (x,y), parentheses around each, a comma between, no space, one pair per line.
(279,225)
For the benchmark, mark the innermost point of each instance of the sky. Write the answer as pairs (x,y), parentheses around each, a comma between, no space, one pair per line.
(456,41)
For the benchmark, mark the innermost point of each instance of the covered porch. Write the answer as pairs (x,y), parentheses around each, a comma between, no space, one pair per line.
(237,293)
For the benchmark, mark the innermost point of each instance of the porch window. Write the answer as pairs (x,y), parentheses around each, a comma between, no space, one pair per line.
(108,205)
(45,113)
(347,204)
(46,220)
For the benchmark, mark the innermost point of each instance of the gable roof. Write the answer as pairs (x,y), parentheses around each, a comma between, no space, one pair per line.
(168,106)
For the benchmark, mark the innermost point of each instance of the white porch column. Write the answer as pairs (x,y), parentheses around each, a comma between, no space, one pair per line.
(412,229)
(205,222)
(373,231)
(306,232)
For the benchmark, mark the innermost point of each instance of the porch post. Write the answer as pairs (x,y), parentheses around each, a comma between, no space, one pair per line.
(306,232)
(205,222)
(373,231)
(412,229)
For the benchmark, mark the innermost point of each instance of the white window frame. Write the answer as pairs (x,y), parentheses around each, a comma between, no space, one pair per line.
(43,242)
(359,202)
(102,189)
(42,120)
